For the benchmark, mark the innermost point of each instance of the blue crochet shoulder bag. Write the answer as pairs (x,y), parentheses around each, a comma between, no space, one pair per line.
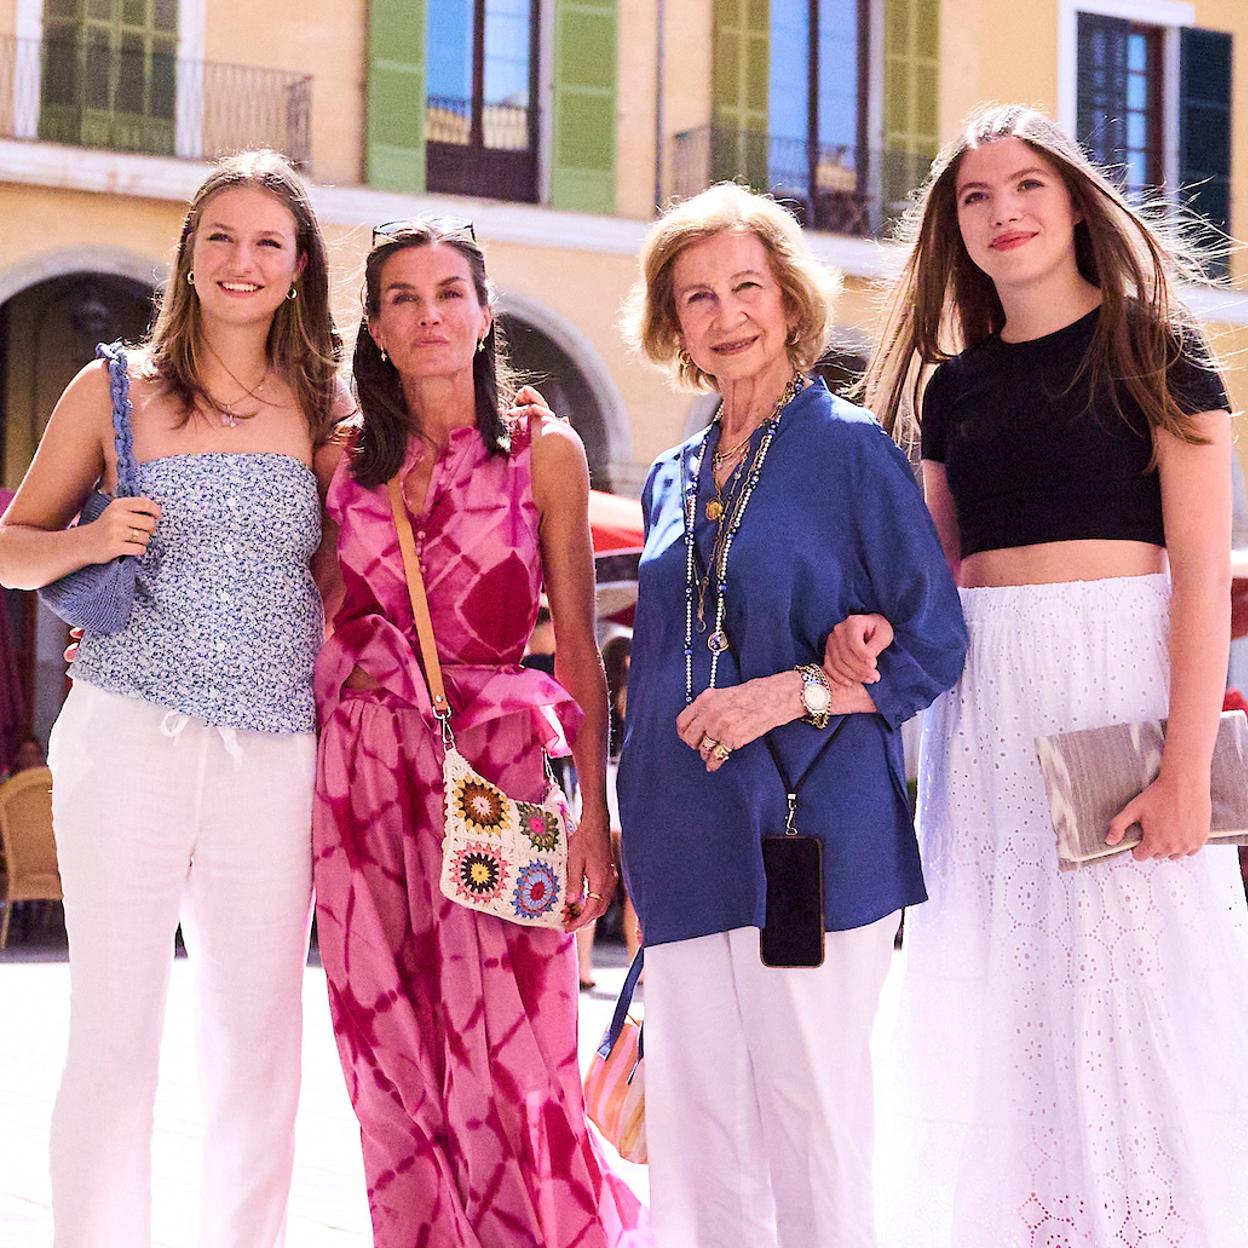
(98,597)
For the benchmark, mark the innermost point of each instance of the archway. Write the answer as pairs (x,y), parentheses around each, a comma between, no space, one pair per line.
(48,331)
(551,353)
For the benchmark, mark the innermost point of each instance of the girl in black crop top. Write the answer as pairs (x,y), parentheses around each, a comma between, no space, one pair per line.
(1062,1034)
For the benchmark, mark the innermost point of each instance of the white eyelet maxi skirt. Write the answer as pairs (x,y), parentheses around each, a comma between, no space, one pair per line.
(1072,1051)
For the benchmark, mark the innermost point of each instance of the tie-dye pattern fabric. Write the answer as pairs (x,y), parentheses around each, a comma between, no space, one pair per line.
(456,1030)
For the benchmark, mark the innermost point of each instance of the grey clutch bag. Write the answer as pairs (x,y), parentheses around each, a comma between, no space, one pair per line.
(1092,774)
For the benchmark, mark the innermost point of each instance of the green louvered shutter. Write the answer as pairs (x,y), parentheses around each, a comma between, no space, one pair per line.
(742,67)
(583,121)
(911,101)
(395,155)
(1205,130)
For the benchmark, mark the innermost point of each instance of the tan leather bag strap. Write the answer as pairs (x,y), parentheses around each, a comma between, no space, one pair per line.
(419,600)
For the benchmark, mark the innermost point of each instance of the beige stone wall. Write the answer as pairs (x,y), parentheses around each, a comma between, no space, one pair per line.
(324,38)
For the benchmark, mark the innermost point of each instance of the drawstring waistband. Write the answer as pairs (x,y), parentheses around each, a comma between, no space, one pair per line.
(175,721)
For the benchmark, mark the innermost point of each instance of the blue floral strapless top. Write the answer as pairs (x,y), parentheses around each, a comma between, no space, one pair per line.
(227,620)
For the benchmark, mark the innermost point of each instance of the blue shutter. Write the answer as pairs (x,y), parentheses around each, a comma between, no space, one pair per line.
(1205,125)
(1102,97)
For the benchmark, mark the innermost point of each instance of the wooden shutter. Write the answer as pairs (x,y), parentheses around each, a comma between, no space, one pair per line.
(911,95)
(583,117)
(1205,124)
(395,131)
(1102,92)
(742,74)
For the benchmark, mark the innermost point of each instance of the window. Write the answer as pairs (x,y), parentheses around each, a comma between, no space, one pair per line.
(109,73)
(481,118)
(1121,99)
(790,103)
(1152,102)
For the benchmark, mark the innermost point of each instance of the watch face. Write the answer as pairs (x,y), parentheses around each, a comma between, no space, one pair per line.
(816,698)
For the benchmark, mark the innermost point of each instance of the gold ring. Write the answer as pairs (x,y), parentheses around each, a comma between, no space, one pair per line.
(721,752)
(595,896)
(135,534)
(708,742)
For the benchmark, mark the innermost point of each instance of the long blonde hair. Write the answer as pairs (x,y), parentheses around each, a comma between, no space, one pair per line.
(302,346)
(942,302)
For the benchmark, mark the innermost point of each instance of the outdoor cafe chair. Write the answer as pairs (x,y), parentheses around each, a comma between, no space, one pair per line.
(28,871)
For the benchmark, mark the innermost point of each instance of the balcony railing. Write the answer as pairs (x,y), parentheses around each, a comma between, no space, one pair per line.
(95,96)
(481,149)
(843,189)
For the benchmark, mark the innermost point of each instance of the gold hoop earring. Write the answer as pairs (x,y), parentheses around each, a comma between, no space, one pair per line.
(292,293)
(190,277)
(685,359)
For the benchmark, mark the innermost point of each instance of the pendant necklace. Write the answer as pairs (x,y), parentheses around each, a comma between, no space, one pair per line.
(225,411)
(729,523)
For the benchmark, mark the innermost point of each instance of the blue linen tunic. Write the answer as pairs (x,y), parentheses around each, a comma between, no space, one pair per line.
(836,526)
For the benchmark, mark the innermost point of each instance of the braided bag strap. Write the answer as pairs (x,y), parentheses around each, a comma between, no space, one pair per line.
(123,436)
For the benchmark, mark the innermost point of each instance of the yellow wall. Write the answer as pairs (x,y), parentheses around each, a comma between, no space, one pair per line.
(635,110)
(324,38)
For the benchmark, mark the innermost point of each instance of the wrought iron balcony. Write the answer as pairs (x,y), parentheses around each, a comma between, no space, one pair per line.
(473,148)
(91,95)
(842,189)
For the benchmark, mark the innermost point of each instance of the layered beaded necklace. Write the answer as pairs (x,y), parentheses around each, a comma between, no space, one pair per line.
(728,516)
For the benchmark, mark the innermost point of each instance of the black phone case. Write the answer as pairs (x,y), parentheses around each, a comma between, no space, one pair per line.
(793,935)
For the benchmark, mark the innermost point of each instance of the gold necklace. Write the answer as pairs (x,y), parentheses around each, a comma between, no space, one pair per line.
(229,417)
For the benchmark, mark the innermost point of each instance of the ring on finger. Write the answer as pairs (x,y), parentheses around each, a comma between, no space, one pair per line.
(136,535)
(721,752)
(708,742)
(595,896)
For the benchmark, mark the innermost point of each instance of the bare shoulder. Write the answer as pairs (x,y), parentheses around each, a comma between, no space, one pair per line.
(344,405)
(327,456)
(556,444)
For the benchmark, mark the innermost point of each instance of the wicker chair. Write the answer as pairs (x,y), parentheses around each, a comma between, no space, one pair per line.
(28,872)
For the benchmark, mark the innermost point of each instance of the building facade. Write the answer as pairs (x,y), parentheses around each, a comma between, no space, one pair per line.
(557,126)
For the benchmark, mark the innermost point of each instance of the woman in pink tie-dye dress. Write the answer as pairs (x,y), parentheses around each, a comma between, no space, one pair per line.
(456,1030)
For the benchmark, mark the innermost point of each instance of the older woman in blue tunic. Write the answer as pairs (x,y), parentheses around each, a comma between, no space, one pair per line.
(790,512)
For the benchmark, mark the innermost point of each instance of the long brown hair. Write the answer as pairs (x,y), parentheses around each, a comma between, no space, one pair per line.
(302,345)
(942,302)
(386,421)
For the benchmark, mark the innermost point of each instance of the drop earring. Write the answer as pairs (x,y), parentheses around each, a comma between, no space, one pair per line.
(384,356)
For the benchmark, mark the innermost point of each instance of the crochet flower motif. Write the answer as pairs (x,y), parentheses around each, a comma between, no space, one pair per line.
(481,806)
(539,825)
(479,872)
(536,891)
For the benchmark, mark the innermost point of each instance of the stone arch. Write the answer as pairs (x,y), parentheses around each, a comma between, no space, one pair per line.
(573,364)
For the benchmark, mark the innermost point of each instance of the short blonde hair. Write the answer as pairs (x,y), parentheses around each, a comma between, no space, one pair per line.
(809,286)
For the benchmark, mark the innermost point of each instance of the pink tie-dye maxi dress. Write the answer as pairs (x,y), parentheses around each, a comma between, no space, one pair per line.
(456,1030)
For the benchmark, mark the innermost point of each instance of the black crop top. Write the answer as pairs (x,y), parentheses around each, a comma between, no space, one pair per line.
(1029,459)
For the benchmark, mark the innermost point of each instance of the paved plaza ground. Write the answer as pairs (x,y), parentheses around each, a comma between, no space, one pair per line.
(327,1206)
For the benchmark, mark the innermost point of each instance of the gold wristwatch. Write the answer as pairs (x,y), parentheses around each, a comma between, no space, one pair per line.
(816,694)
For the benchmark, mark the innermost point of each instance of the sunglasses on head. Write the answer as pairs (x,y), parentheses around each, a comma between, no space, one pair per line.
(444,225)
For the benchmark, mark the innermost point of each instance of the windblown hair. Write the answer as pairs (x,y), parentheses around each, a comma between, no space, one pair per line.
(302,346)
(942,302)
(810,288)
(386,421)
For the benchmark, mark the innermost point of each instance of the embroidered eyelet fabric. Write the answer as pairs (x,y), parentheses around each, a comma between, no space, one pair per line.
(227,619)
(1071,1049)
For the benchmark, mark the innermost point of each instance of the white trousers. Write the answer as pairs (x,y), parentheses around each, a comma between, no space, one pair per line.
(760,1118)
(159,816)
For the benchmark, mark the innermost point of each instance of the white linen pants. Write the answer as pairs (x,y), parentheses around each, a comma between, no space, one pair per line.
(759,1107)
(159,816)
